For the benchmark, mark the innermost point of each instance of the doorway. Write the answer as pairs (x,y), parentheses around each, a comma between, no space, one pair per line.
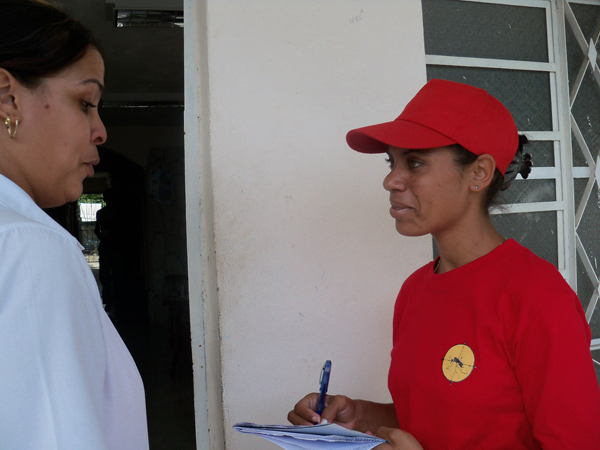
(142,109)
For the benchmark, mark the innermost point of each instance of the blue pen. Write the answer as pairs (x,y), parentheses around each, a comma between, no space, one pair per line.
(324,382)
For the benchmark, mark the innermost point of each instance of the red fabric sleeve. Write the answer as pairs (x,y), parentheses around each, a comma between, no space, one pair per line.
(552,352)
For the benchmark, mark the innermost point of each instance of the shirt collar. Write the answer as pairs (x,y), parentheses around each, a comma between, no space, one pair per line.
(16,199)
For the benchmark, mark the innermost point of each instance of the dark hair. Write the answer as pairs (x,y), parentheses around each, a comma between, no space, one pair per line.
(521,164)
(38,40)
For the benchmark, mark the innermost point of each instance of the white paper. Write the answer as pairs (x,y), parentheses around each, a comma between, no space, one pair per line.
(311,437)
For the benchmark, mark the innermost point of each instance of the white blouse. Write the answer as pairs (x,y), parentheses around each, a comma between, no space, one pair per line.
(67,381)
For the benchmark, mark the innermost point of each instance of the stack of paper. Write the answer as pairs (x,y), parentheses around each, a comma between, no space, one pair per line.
(312,437)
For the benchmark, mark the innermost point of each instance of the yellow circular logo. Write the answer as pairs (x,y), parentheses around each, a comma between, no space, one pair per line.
(458,363)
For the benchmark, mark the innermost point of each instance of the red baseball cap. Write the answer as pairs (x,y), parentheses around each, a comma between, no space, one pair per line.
(446,113)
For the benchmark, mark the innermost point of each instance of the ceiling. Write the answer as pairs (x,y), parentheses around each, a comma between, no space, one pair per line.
(144,65)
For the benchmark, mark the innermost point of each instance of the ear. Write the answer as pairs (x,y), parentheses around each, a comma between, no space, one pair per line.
(482,172)
(8,87)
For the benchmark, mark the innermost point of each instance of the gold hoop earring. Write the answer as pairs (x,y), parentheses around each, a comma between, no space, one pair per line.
(11,133)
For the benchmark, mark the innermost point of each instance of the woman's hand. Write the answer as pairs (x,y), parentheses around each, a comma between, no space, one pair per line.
(397,440)
(338,409)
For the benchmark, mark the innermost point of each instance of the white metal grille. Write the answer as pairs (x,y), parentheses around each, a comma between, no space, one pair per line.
(582,39)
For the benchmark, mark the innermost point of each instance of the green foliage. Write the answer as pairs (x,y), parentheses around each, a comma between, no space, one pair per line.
(92,198)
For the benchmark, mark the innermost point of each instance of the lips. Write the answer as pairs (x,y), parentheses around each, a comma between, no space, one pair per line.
(398,210)
(90,169)
(91,165)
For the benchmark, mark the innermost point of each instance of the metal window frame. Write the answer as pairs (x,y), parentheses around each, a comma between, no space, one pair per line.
(593,171)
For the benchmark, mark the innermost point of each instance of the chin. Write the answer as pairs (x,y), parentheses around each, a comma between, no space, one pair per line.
(51,203)
(76,192)
(409,231)
(75,198)
(71,196)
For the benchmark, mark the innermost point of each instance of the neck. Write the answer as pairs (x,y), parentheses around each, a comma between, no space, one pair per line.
(464,245)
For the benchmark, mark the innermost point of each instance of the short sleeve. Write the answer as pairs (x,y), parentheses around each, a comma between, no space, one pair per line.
(555,368)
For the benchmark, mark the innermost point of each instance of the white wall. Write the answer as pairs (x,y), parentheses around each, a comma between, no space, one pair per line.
(308,261)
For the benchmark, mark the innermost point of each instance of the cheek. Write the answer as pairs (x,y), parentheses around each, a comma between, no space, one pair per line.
(437,196)
(72,140)
(51,130)
(65,164)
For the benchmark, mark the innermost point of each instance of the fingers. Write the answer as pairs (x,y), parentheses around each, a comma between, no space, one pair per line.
(296,419)
(304,411)
(336,407)
(397,440)
(383,447)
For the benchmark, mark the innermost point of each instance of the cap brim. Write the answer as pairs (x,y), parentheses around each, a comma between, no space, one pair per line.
(399,133)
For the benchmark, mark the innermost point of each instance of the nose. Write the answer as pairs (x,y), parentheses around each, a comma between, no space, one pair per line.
(98,135)
(394,181)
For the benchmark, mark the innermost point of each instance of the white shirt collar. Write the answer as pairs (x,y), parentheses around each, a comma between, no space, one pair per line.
(14,198)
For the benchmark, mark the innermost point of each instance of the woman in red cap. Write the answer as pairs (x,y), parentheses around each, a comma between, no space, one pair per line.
(490,344)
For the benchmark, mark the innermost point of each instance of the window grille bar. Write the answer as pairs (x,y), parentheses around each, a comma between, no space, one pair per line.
(592,306)
(530,3)
(543,173)
(587,264)
(581,172)
(488,63)
(543,135)
(584,200)
(515,208)
(582,144)
(570,16)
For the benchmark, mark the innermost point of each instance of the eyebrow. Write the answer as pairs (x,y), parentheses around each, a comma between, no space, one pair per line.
(407,151)
(93,80)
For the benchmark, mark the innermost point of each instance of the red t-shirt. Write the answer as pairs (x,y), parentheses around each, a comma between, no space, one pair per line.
(494,355)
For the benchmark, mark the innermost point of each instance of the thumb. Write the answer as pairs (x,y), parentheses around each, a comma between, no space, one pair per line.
(398,439)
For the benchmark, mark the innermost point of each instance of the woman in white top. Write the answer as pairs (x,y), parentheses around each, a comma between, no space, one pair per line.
(67,380)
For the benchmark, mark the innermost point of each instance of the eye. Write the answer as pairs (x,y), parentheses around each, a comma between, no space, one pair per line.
(414,163)
(87,105)
(390,162)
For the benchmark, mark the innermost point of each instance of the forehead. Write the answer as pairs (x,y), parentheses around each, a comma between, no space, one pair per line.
(89,70)
(400,152)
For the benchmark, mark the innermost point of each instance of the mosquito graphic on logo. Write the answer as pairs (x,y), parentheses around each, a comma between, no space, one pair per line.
(458,363)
